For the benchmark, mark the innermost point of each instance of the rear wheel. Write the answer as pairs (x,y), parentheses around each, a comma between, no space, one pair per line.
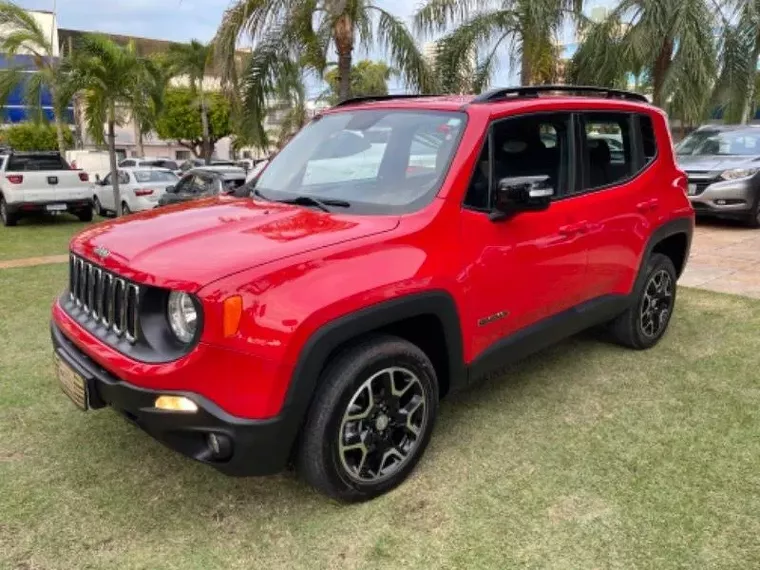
(7,218)
(85,215)
(371,420)
(647,319)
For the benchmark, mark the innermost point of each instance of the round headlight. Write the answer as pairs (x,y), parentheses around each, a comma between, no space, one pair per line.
(183,317)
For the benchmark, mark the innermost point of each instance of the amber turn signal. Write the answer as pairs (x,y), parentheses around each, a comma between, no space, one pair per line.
(233,310)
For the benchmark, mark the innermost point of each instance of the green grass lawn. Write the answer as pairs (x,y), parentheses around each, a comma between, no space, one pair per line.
(585,456)
(39,235)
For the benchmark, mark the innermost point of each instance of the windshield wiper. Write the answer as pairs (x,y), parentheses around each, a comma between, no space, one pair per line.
(321,204)
(258,194)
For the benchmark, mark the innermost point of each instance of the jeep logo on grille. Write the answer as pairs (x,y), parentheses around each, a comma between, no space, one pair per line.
(101,252)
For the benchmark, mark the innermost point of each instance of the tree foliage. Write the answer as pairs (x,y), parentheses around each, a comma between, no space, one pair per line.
(367,78)
(181,119)
(34,136)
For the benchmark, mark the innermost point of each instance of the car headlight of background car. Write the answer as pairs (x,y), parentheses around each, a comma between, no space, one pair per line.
(737,173)
(183,316)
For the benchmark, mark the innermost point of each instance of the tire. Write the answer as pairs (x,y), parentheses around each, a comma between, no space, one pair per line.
(390,434)
(753,220)
(98,207)
(125,211)
(85,215)
(7,218)
(644,323)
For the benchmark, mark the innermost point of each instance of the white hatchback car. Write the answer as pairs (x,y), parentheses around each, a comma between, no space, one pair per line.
(140,189)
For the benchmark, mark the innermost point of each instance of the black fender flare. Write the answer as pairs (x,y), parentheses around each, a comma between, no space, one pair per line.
(678,226)
(321,344)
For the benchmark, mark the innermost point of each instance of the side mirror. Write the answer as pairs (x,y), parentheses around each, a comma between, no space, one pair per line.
(521,194)
(97,178)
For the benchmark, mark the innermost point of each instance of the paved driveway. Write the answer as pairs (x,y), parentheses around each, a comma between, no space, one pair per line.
(724,257)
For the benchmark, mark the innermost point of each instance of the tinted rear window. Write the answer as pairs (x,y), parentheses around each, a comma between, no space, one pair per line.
(33,162)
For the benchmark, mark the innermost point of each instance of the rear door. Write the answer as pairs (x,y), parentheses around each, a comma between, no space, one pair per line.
(615,199)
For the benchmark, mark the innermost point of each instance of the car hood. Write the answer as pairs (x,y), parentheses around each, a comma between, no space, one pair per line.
(189,245)
(715,163)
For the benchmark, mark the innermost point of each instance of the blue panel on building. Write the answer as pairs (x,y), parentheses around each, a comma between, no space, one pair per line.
(16,110)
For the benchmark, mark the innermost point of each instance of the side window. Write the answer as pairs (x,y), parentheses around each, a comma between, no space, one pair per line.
(648,141)
(127,163)
(608,146)
(107,179)
(532,145)
(123,177)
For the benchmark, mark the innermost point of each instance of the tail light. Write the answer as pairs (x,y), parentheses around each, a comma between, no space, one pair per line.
(143,192)
(84,177)
(15,178)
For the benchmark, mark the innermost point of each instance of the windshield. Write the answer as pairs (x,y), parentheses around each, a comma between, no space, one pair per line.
(154,176)
(710,143)
(378,161)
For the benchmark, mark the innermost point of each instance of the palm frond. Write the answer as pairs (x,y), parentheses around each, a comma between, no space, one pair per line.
(21,30)
(393,35)
(436,15)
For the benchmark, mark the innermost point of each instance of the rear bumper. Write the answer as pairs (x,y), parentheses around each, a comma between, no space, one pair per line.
(258,447)
(39,207)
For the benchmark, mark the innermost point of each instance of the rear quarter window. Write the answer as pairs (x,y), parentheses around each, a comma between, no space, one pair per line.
(31,163)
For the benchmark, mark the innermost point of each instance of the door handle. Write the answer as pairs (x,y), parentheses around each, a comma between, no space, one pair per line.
(576,228)
(648,205)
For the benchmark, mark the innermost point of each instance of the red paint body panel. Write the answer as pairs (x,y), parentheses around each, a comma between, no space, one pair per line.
(298,269)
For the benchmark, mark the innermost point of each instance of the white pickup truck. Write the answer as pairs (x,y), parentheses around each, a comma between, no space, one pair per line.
(37,182)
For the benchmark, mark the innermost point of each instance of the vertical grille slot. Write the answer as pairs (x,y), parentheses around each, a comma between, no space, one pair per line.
(107,299)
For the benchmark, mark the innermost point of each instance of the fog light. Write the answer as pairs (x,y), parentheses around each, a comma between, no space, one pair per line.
(720,202)
(220,445)
(176,404)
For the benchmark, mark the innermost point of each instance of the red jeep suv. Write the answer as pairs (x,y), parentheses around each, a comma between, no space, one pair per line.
(397,249)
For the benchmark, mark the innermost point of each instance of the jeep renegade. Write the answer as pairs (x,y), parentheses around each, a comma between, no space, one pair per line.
(397,249)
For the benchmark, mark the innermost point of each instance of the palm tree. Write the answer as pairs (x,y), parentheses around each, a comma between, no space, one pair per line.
(104,75)
(21,34)
(148,98)
(192,61)
(291,35)
(670,40)
(529,27)
(740,50)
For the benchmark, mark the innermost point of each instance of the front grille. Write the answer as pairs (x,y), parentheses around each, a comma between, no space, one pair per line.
(105,297)
(701,180)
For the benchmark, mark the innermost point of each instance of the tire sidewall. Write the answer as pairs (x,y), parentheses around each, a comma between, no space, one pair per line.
(98,207)
(656,263)
(351,378)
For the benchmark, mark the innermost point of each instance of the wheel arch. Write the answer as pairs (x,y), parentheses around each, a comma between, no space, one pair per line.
(425,319)
(672,239)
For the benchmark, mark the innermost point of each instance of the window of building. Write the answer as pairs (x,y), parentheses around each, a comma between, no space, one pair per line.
(182,154)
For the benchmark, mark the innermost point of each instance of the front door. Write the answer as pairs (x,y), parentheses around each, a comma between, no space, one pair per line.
(531,266)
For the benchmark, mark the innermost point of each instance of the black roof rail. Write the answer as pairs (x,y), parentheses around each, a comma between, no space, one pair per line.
(535,90)
(371,98)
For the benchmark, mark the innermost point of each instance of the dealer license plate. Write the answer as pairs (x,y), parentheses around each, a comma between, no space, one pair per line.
(72,384)
(56,207)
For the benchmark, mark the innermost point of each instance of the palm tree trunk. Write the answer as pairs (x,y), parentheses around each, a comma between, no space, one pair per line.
(749,98)
(112,158)
(343,34)
(204,125)
(661,67)
(526,66)
(138,138)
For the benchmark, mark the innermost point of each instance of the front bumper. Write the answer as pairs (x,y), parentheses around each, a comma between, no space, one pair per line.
(258,447)
(728,198)
(39,207)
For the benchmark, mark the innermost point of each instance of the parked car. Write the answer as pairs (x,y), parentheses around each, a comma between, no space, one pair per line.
(319,322)
(254,172)
(139,188)
(723,166)
(38,182)
(204,182)
(167,163)
(199,162)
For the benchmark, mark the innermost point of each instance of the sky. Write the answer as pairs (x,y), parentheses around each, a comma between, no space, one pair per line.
(183,20)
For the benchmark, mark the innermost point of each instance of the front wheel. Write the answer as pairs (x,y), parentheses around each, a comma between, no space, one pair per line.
(125,211)
(85,215)
(753,220)
(644,323)
(371,420)
(98,207)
